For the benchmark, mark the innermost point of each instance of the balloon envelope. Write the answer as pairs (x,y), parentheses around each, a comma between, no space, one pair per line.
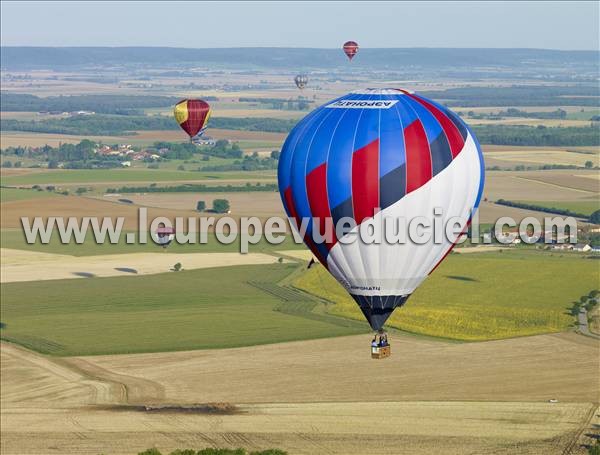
(370,156)
(301,80)
(192,116)
(350,48)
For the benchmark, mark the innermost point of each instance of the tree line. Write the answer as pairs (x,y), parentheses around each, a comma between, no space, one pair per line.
(540,135)
(519,95)
(113,125)
(248,163)
(539,208)
(105,104)
(195,188)
(119,125)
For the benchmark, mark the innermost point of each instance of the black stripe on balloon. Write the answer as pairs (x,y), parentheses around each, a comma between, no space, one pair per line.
(392,186)
(342,210)
(457,123)
(441,155)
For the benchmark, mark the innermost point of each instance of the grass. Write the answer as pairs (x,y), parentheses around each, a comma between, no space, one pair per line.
(199,309)
(587,114)
(481,296)
(16,194)
(125,175)
(15,239)
(584,207)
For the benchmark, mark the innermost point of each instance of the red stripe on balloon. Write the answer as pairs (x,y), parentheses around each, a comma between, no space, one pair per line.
(418,156)
(365,181)
(289,202)
(455,139)
(195,116)
(316,190)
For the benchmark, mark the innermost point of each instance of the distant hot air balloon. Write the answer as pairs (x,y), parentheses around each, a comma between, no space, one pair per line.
(301,80)
(350,49)
(192,116)
(164,236)
(369,156)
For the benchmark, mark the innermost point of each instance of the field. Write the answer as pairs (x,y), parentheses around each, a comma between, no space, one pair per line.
(143,138)
(106,350)
(261,204)
(12,194)
(87,176)
(585,207)
(465,398)
(469,296)
(504,155)
(557,185)
(20,266)
(189,309)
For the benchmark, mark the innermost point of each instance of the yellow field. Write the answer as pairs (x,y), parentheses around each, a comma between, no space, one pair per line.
(558,185)
(530,157)
(429,397)
(19,265)
(529,122)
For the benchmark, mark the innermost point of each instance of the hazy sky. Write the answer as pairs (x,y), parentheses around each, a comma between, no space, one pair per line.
(551,25)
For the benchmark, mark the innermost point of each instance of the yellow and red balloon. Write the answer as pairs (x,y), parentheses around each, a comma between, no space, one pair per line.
(192,116)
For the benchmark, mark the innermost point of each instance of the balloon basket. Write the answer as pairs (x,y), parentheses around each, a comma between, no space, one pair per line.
(381,352)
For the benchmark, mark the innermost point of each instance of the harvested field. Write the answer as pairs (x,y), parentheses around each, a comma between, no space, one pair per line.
(259,203)
(539,157)
(559,185)
(78,207)
(562,366)
(19,265)
(577,182)
(97,404)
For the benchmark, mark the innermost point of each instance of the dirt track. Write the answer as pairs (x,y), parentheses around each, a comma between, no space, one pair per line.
(429,397)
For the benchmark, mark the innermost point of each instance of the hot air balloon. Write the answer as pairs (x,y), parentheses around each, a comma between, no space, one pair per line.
(370,156)
(192,116)
(301,80)
(164,236)
(350,49)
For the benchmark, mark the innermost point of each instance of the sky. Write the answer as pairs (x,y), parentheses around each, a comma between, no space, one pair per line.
(547,25)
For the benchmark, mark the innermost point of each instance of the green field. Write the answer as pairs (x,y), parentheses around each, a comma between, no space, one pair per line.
(126,175)
(15,239)
(14,194)
(584,207)
(588,112)
(481,296)
(166,312)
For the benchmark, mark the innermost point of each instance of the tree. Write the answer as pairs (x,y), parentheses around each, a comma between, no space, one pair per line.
(177,267)
(589,164)
(275,154)
(81,190)
(52,164)
(595,217)
(7,164)
(181,167)
(201,206)
(152,451)
(221,205)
